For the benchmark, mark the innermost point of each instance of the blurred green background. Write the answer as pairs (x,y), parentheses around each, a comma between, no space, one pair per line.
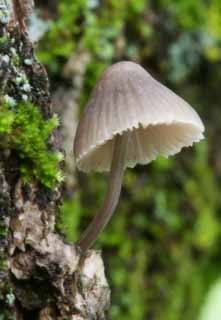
(162,249)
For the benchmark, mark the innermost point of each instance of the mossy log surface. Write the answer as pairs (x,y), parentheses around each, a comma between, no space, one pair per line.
(46,277)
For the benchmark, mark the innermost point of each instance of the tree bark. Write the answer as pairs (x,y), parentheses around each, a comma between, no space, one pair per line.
(50,279)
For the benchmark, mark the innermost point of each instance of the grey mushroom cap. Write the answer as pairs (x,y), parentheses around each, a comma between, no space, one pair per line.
(128,99)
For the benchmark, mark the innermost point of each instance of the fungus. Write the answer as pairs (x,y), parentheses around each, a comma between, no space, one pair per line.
(130,119)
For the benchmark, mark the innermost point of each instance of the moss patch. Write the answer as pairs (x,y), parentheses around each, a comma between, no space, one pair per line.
(23,129)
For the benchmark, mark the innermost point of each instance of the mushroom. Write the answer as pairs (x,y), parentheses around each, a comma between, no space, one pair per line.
(130,119)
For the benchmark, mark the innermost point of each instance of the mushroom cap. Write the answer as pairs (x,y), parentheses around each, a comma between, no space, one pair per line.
(128,98)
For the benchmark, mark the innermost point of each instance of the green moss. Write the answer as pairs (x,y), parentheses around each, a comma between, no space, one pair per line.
(6,119)
(15,60)
(24,130)
(3,40)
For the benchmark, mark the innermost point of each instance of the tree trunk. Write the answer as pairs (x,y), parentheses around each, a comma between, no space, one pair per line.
(50,279)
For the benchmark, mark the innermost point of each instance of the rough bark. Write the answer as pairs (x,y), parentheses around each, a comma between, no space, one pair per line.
(50,279)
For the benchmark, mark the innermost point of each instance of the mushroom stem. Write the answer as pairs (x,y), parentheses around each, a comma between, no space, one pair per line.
(112,195)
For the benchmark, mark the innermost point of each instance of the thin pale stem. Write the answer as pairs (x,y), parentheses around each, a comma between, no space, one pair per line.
(112,195)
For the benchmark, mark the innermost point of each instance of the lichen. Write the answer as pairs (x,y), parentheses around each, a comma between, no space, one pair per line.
(23,129)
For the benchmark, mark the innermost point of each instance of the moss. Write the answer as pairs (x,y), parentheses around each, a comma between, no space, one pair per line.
(15,60)
(24,130)
(6,119)
(4,39)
